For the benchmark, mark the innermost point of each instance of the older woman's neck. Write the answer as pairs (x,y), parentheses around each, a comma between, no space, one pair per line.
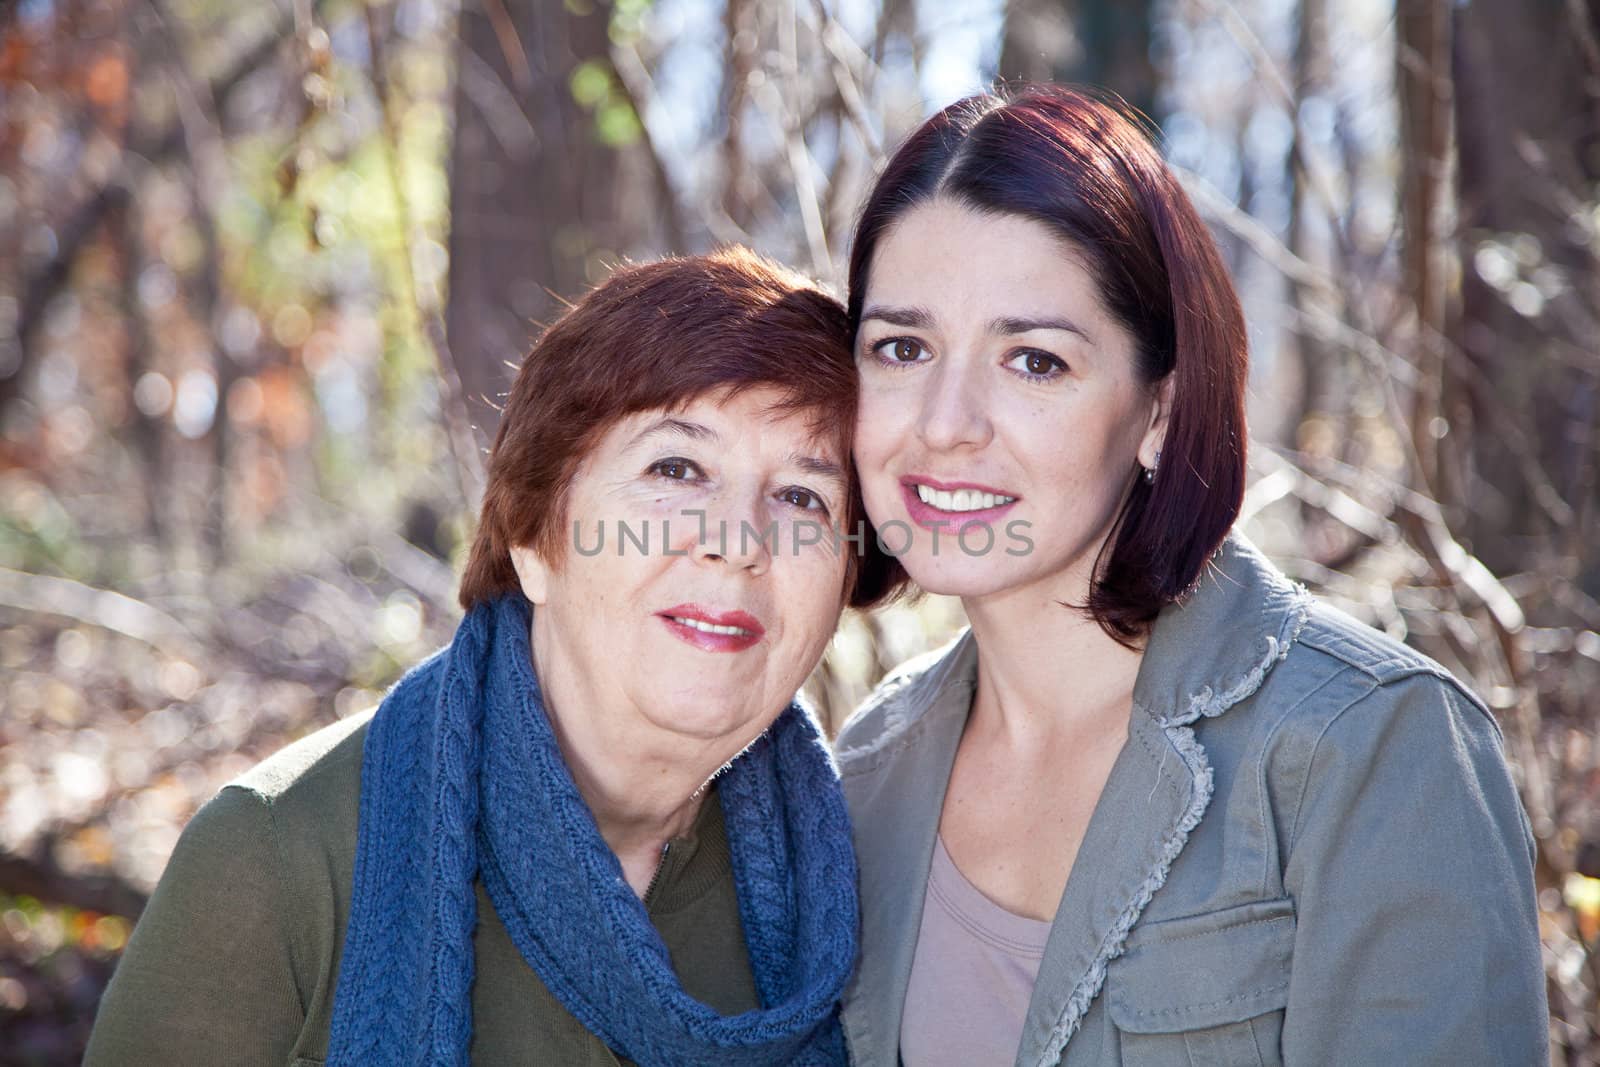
(639,803)
(643,784)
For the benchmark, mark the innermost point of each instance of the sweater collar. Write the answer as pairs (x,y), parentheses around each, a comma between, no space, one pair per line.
(462,778)
(694,862)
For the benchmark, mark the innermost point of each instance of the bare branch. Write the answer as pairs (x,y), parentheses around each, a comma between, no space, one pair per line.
(101,608)
(41,877)
(640,90)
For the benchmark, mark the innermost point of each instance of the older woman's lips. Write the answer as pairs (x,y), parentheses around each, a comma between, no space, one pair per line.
(713,631)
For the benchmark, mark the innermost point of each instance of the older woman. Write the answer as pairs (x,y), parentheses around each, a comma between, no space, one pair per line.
(1157,806)
(595,826)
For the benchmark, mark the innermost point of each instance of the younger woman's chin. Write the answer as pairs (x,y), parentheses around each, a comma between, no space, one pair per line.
(966,578)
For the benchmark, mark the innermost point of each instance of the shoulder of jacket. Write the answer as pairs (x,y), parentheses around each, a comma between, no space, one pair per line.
(1352,645)
(311,789)
(896,704)
(330,758)
(1354,681)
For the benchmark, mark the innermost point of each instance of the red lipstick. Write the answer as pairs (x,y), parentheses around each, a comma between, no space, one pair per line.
(679,620)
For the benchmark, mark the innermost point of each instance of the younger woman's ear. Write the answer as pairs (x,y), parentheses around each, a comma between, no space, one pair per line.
(1156,432)
(532,573)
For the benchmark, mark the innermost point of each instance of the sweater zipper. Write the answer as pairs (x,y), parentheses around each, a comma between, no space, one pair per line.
(661,865)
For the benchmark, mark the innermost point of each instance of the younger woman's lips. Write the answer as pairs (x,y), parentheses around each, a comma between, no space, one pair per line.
(932,518)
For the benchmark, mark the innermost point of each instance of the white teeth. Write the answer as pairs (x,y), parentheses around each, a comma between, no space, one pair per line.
(706,627)
(961,499)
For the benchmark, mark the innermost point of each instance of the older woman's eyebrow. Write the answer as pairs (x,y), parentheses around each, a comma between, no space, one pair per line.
(1019,324)
(913,318)
(822,468)
(670,427)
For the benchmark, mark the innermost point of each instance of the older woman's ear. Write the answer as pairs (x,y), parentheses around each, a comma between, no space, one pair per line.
(532,573)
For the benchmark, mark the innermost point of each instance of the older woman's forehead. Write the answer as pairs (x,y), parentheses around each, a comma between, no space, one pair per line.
(774,404)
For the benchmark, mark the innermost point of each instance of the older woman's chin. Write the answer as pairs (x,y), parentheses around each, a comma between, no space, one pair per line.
(708,712)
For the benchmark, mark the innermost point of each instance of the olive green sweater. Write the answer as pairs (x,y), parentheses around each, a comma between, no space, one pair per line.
(236,957)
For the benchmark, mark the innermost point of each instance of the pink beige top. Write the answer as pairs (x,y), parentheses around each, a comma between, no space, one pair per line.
(971,977)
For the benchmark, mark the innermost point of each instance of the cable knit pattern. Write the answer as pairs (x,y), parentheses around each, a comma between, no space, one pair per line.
(462,779)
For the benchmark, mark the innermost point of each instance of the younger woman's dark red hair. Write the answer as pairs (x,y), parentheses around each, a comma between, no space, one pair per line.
(1081,167)
(659,336)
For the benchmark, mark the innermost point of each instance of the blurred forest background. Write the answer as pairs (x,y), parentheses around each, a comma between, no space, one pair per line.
(263,266)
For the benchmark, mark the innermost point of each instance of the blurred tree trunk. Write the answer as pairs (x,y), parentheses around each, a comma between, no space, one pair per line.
(532,187)
(1422,79)
(82,221)
(1527,109)
(1092,42)
(1318,367)
(739,31)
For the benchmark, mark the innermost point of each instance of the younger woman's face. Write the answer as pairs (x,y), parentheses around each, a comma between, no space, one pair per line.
(1001,420)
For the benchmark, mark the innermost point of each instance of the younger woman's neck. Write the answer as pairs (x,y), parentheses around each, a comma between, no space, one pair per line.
(1046,667)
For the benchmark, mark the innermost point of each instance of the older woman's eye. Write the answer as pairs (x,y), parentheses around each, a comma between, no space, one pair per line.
(900,350)
(674,468)
(1036,364)
(802,498)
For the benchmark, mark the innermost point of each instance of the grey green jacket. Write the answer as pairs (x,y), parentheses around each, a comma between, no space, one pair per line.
(1309,851)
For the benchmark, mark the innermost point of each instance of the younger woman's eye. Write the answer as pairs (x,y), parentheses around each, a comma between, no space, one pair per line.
(1036,364)
(899,350)
(675,468)
(802,498)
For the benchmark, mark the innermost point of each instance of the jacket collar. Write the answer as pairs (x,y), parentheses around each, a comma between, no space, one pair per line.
(1215,647)
(1205,655)
(902,781)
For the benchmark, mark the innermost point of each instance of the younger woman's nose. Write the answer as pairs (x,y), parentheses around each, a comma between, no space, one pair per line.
(954,411)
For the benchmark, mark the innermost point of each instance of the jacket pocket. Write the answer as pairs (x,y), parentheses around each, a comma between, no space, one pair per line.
(1205,990)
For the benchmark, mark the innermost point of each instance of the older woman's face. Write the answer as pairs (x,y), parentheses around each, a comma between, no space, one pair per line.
(699,583)
(996,390)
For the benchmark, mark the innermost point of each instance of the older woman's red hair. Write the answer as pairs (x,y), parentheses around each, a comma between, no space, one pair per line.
(656,336)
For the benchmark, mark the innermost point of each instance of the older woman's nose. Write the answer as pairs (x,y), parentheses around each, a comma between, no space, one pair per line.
(740,534)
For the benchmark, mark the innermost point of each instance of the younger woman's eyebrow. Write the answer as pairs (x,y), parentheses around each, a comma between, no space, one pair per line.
(1009,324)
(912,318)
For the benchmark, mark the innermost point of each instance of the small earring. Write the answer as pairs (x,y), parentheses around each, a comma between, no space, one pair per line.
(1150,471)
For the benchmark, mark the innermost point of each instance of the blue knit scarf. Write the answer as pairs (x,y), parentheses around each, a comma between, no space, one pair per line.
(462,779)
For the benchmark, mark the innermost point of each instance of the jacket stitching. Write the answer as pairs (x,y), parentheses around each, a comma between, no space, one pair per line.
(1263,789)
(1399,669)
(1212,933)
(1193,754)
(1186,1009)
(1311,762)
(1255,1042)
